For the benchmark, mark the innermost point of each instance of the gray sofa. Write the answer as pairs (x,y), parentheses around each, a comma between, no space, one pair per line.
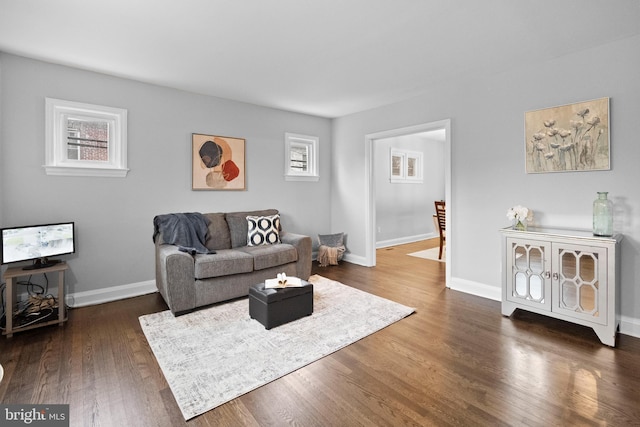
(187,280)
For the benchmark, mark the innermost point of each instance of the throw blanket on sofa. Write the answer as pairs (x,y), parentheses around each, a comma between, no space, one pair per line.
(188,231)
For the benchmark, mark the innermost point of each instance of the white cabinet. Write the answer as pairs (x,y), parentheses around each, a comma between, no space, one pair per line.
(566,274)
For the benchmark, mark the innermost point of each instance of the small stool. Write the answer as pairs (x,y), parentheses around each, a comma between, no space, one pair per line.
(275,307)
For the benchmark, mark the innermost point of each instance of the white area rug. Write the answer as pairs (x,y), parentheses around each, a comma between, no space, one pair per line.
(431,254)
(212,356)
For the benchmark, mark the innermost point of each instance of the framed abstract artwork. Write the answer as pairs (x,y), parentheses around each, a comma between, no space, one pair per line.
(568,138)
(218,162)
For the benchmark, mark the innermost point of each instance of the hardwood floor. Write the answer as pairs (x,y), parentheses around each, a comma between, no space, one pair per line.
(456,361)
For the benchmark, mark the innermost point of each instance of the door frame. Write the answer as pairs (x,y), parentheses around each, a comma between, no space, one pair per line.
(370,217)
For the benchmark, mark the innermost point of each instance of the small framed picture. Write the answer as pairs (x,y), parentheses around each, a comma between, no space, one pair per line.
(218,162)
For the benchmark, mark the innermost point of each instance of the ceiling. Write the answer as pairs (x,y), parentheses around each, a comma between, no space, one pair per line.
(328,58)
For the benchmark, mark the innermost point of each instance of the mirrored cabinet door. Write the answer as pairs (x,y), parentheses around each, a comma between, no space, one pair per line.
(528,282)
(580,279)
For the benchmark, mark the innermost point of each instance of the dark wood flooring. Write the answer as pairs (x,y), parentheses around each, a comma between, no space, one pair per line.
(456,361)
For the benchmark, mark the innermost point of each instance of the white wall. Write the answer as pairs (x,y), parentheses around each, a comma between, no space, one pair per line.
(488,176)
(114,216)
(404,210)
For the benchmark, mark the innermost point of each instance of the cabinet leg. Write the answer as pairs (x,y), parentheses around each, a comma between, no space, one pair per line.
(606,336)
(508,308)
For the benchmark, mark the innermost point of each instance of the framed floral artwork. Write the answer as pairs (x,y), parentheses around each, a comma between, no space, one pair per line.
(568,138)
(218,162)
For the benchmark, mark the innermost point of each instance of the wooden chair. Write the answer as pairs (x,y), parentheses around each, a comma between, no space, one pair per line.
(442,223)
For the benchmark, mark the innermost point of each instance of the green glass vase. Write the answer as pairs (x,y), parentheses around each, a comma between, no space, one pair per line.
(602,215)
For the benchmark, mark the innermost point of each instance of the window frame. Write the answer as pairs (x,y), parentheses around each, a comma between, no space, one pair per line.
(311,144)
(57,162)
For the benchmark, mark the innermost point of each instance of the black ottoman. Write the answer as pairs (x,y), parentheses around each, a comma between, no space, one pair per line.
(275,307)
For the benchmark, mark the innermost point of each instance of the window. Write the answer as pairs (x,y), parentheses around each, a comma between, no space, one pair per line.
(84,139)
(397,165)
(406,166)
(301,158)
(414,171)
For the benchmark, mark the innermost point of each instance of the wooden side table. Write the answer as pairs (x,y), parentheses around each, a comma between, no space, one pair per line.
(14,273)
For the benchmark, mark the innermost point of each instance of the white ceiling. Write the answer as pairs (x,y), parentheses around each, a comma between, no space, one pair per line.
(323,57)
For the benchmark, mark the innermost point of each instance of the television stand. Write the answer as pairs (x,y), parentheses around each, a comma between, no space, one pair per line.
(10,301)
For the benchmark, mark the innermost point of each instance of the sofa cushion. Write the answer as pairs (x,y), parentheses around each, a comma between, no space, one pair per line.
(263,230)
(237,222)
(223,263)
(266,256)
(218,236)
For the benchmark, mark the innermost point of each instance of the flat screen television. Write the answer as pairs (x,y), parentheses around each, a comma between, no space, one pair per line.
(37,243)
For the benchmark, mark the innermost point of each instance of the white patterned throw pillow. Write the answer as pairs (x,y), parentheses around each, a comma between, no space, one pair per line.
(263,230)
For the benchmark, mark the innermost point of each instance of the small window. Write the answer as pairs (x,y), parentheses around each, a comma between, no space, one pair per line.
(301,157)
(406,166)
(85,140)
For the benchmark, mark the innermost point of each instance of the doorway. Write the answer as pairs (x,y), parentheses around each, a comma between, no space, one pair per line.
(370,218)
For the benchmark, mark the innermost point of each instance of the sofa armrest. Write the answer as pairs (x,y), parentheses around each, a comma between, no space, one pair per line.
(175,275)
(303,247)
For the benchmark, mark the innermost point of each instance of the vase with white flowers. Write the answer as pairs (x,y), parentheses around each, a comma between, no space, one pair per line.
(520,217)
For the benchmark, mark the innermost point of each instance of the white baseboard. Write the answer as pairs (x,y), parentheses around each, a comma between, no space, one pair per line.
(355,259)
(114,293)
(404,240)
(630,326)
(476,288)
